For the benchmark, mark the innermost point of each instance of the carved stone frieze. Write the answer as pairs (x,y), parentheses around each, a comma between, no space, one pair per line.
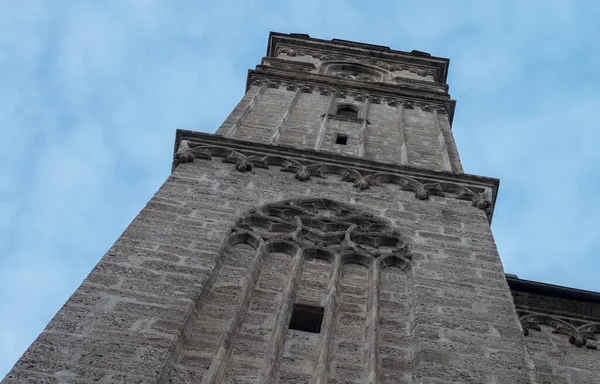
(578,334)
(391,67)
(304,170)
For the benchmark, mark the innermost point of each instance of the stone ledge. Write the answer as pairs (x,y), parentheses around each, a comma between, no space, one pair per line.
(481,191)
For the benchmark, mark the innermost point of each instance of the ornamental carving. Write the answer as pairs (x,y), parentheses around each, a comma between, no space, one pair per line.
(354,76)
(324,223)
(578,335)
(353,71)
(391,67)
(313,252)
(304,171)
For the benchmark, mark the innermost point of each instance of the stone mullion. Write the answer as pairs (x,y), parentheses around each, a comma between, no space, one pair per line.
(219,362)
(363,142)
(448,140)
(269,372)
(280,128)
(444,148)
(321,373)
(402,130)
(372,347)
(233,129)
(323,127)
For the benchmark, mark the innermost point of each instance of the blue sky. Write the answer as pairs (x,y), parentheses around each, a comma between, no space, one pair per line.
(91,93)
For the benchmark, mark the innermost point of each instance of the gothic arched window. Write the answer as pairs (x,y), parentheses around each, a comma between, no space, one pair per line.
(347,111)
(298,280)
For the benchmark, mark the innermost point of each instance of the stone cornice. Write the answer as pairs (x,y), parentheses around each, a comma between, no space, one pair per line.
(359,49)
(418,89)
(302,67)
(362,173)
(552,290)
(568,311)
(415,95)
(298,65)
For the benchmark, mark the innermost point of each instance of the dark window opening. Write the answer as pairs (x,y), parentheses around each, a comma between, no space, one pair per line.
(306,318)
(347,111)
(341,139)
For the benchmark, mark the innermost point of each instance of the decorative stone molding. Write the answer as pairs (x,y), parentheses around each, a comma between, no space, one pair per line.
(577,335)
(303,230)
(353,71)
(342,94)
(433,94)
(324,223)
(359,97)
(388,66)
(303,170)
(289,64)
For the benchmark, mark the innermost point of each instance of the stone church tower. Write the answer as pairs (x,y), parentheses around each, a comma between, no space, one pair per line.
(325,234)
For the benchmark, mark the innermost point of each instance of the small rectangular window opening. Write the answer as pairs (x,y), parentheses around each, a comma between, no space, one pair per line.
(341,139)
(306,318)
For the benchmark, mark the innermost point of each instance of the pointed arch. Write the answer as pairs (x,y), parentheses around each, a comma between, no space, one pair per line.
(347,110)
(316,259)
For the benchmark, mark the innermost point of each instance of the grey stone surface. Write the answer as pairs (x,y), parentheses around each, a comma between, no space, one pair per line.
(386,234)
(561,327)
(403,111)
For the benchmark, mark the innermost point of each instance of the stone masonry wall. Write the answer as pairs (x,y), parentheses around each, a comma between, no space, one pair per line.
(561,336)
(390,132)
(559,361)
(126,321)
(457,323)
(139,310)
(321,60)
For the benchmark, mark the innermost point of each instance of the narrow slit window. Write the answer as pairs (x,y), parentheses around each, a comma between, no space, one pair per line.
(306,318)
(341,139)
(347,111)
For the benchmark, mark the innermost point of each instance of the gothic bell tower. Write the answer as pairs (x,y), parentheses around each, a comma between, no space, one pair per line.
(325,234)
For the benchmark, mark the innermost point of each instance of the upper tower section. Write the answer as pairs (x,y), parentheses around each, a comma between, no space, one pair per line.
(349,98)
(362,62)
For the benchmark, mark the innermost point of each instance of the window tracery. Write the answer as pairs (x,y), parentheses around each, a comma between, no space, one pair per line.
(313,253)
